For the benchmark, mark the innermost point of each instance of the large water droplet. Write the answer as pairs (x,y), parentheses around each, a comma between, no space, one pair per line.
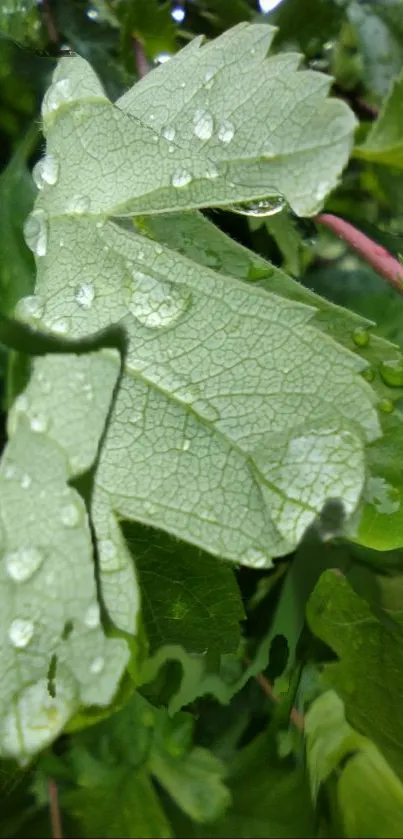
(361,336)
(22,564)
(203,124)
(169,133)
(46,171)
(92,616)
(392,372)
(84,295)
(29,308)
(71,515)
(20,632)
(58,94)
(156,304)
(36,232)
(97,665)
(78,204)
(36,718)
(260,208)
(181,178)
(226,131)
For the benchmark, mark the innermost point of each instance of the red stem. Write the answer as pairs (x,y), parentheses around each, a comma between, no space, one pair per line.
(55,818)
(375,255)
(142,65)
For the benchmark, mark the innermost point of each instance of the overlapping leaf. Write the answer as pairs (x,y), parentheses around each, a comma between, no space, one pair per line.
(235,418)
(54,654)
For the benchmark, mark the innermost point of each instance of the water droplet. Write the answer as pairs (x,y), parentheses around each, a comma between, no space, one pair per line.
(26,481)
(92,616)
(149,508)
(78,204)
(109,555)
(71,515)
(386,405)
(186,445)
(203,124)
(93,14)
(29,308)
(58,94)
(260,208)
(158,249)
(169,133)
(156,304)
(208,79)
(368,374)
(38,423)
(21,565)
(46,171)
(36,232)
(226,131)
(181,178)
(321,191)
(60,326)
(171,149)
(21,404)
(97,665)
(255,558)
(88,392)
(361,336)
(84,295)
(20,632)
(392,372)
(178,14)
(36,718)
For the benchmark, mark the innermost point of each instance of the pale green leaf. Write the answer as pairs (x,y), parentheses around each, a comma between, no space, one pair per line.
(384,143)
(368,672)
(380,44)
(378,522)
(188,126)
(53,650)
(369,794)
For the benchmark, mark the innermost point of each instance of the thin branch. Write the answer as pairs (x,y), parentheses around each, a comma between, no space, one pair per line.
(54,810)
(142,65)
(47,14)
(296,717)
(375,255)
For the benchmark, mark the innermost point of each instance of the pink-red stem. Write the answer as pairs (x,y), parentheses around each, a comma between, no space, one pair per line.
(375,255)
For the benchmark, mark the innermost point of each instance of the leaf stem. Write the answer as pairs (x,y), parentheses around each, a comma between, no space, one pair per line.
(54,810)
(50,25)
(375,255)
(295,716)
(142,65)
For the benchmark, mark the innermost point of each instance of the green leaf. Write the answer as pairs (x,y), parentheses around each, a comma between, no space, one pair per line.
(375,524)
(189,597)
(195,783)
(262,788)
(369,794)
(380,44)
(125,805)
(19,20)
(368,672)
(17,193)
(384,143)
(199,151)
(225,455)
(53,649)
